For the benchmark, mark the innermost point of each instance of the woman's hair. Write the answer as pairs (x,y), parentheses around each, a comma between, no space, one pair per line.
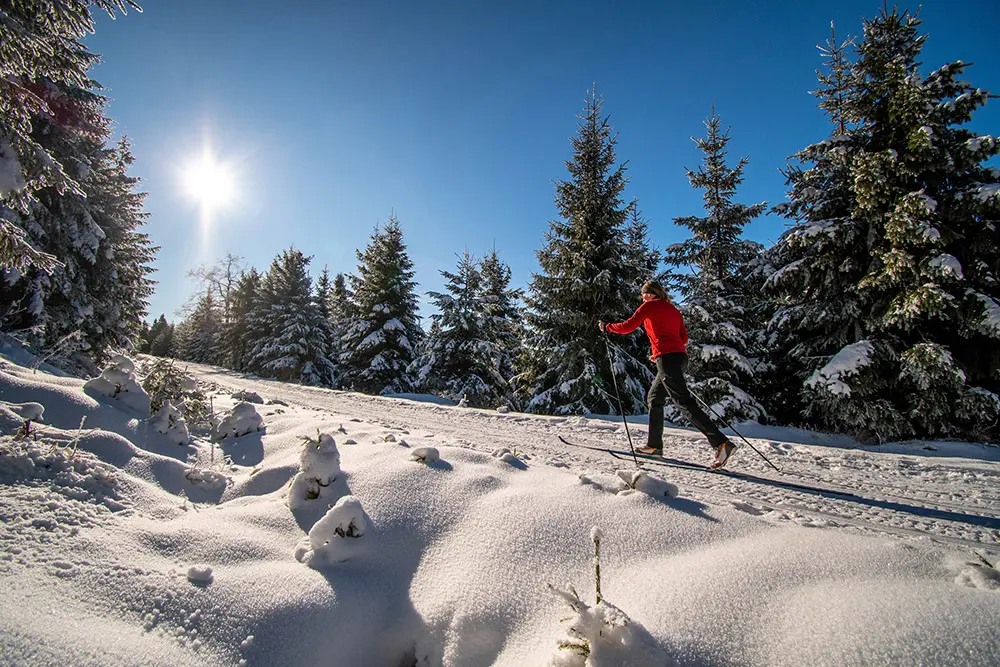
(656,289)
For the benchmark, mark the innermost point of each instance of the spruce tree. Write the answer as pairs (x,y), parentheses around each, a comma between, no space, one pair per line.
(238,335)
(289,336)
(643,263)
(341,313)
(715,294)
(922,358)
(816,265)
(98,294)
(39,45)
(502,317)
(324,291)
(383,338)
(933,279)
(159,338)
(458,361)
(585,277)
(199,338)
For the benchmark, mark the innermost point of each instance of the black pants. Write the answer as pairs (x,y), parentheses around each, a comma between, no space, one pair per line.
(670,381)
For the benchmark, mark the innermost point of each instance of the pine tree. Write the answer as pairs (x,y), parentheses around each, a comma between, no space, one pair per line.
(643,257)
(199,336)
(238,335)
(933,282)
(458,361)
(159,339)
(289,336)
(39,45)
(383,338)
(643,263)
(585,277)
(98,295)
(816,265)
(502,317)
(324,291)
(921,357)
(716,298)
(341,313)
(121,281)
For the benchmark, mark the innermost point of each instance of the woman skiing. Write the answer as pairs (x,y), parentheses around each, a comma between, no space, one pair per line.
(668,336)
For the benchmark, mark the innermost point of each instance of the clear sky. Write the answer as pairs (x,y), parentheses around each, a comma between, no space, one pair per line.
(458,115)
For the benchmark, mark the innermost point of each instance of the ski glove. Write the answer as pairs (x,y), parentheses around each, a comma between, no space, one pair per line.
(603,327)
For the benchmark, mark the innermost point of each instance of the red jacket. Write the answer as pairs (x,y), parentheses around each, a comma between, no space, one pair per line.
(663,324)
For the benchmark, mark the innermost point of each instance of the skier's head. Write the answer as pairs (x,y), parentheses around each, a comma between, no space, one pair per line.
(656,289)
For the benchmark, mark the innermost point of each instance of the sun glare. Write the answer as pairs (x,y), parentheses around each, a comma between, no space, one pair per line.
(210,182)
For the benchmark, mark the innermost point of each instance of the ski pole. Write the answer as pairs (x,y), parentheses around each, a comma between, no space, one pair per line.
(723,420)
(611,365)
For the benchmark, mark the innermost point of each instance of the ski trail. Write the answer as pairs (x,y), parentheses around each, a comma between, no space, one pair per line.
(894,494)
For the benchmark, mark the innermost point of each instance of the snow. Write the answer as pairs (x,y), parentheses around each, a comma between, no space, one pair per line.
(115,550)
(11,177)
(990,323)
(28,411)
(169,421)
(986,191)
(241,421)
(118,381)
(947,265)
(426,454)
(319,467)
(928,203)
(199,574)
(848,361)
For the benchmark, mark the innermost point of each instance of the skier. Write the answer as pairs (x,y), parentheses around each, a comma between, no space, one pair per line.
(668,336)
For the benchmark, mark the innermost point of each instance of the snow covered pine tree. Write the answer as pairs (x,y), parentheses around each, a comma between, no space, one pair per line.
(906,187)
(715,296)
(585,276)
(381,342)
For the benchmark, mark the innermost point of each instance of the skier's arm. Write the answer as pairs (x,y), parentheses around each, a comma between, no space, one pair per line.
(684,333)
(629,325)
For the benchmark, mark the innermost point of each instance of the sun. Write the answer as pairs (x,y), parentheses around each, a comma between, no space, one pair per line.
(210,182)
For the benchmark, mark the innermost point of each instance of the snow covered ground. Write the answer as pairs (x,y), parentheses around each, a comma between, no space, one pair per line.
(120,547)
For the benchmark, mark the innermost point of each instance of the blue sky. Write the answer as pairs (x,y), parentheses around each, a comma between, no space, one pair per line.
(458,116)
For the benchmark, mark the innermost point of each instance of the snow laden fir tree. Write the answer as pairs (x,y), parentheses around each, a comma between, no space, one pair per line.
(75,268)
(290,333)
(717,304)
(382,340)
(587,275)
(466,354)
(889,322)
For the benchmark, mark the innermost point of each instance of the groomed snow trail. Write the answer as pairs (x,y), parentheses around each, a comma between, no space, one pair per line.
(918,495)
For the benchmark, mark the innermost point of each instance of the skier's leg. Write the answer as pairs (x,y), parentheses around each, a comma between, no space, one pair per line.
(656,398)
(671,367)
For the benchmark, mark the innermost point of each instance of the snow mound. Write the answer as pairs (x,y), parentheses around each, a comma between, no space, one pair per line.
(425,454)
(27,411)
(118,381)
(638,480)
(199,574)
(604,636)
(169,421)
(336,537)
(242,420)
(319,467)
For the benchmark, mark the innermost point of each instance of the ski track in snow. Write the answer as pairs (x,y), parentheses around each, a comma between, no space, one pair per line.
(907,496)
